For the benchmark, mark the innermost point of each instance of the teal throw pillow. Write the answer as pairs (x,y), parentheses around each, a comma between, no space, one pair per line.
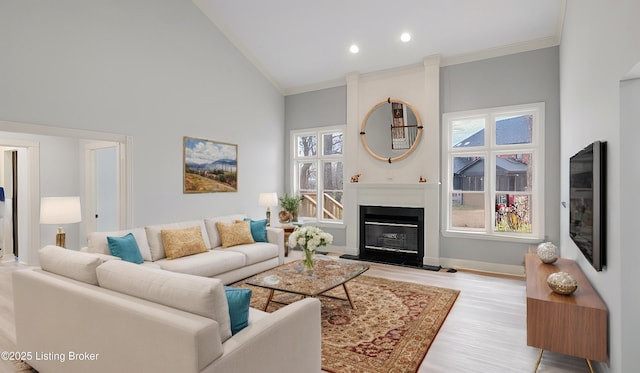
(126,248)
(238,300)
(258,230)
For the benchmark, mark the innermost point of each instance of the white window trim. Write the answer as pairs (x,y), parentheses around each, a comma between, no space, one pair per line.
(317,131)
(537,149)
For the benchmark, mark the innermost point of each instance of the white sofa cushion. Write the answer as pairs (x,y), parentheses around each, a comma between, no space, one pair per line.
(207,264)
(212,230)
(200,295)
(97,241)
(154,236)
(255,252)
(72,264)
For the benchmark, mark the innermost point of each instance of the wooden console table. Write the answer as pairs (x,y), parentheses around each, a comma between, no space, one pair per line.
(288,229)
(573,324)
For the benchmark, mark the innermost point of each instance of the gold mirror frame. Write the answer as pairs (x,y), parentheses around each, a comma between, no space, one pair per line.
(411,148)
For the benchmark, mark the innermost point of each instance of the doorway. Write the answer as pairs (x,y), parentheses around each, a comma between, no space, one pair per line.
(29,137)
(103,187)
(19,179)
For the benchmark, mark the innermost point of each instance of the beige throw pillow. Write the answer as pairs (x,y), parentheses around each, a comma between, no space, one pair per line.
(182,242)
(233,234)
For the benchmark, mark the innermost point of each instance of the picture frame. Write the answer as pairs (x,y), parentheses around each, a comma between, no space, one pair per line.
(209,166)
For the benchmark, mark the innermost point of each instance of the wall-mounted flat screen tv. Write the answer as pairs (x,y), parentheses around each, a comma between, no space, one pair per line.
(587,213)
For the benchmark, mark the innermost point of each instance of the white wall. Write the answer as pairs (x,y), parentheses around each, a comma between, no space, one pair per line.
(629,258)
(600,45)
(156,70)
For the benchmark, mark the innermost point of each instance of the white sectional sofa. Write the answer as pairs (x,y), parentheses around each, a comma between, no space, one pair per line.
(229,264)
(86,312)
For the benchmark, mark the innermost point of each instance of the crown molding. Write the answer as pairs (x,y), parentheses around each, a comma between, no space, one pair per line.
(314,87)
(484,54)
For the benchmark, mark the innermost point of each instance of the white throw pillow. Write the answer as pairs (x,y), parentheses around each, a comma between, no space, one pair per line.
(69,263)
(97,241)
(200,295)
(212,229)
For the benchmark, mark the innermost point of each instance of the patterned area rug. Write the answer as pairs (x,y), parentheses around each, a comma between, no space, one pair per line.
(390,331)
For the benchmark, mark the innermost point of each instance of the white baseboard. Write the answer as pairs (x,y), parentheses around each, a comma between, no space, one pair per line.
(463,264)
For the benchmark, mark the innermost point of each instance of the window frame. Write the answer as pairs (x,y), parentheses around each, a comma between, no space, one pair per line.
(489,151)
(319,160)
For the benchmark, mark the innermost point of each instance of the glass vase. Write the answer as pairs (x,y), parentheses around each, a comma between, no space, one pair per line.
(308,263)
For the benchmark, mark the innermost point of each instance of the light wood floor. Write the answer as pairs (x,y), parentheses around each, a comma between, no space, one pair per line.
(485,331)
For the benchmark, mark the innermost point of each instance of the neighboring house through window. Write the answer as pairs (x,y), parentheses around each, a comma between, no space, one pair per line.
(494,162)
(321,192)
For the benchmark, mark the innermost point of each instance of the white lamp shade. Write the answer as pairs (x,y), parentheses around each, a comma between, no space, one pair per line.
(60,210)
(268,199)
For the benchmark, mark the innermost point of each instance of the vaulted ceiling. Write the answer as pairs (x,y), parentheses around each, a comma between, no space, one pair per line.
(301,44)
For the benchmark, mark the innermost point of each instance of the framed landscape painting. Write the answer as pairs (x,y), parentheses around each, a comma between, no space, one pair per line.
(209,166)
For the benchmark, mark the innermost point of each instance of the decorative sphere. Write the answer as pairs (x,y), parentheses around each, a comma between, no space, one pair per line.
(547,252)
(562,283)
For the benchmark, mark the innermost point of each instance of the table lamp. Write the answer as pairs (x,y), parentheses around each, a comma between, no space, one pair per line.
(268,200)
(60,210)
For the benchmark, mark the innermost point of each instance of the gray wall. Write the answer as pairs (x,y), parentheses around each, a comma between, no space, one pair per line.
(323,108)
(156,70)
(510,80)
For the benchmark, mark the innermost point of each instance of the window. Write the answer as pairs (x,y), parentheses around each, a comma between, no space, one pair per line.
(494,162)
(317,172)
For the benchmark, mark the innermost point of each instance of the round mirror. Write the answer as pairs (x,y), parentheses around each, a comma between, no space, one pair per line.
(391,130)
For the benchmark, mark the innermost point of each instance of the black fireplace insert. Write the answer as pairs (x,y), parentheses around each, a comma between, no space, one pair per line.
(392,234)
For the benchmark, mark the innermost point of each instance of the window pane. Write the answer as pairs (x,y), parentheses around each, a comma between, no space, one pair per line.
(333,186)
(309,204)
(467,132)
(514,129)
(513,213)
(307,146)
(513,172)
(332,143)
(307,176)
(307,186)
(467,210)
(468,173)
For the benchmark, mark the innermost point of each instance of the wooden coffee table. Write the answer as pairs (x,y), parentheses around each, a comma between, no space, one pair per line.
(329,273)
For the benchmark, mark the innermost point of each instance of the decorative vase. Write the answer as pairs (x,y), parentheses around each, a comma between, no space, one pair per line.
(284,216)
(547,252)
(308,263)
(562,283)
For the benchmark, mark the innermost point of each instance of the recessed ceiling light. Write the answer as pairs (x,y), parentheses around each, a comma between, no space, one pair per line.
(405,37)
(354,49)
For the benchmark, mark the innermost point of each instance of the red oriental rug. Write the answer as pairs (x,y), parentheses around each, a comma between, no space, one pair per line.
(390,331)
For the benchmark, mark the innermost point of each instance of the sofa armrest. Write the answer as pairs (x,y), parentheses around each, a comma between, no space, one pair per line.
(124,334)
(276,236)
(287,340)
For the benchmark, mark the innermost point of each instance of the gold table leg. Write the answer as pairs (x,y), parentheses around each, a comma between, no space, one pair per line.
(539,359)
(589,365)
(269,299)
(344,286)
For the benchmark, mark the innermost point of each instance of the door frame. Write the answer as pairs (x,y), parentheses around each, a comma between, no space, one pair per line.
(33,197)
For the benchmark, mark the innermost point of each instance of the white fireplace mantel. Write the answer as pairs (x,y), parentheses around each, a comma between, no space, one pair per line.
(425,195)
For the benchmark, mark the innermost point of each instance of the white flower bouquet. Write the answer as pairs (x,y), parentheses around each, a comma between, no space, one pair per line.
(309,238)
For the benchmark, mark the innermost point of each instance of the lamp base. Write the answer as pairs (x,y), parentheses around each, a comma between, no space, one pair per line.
(61,238)
(268,217)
